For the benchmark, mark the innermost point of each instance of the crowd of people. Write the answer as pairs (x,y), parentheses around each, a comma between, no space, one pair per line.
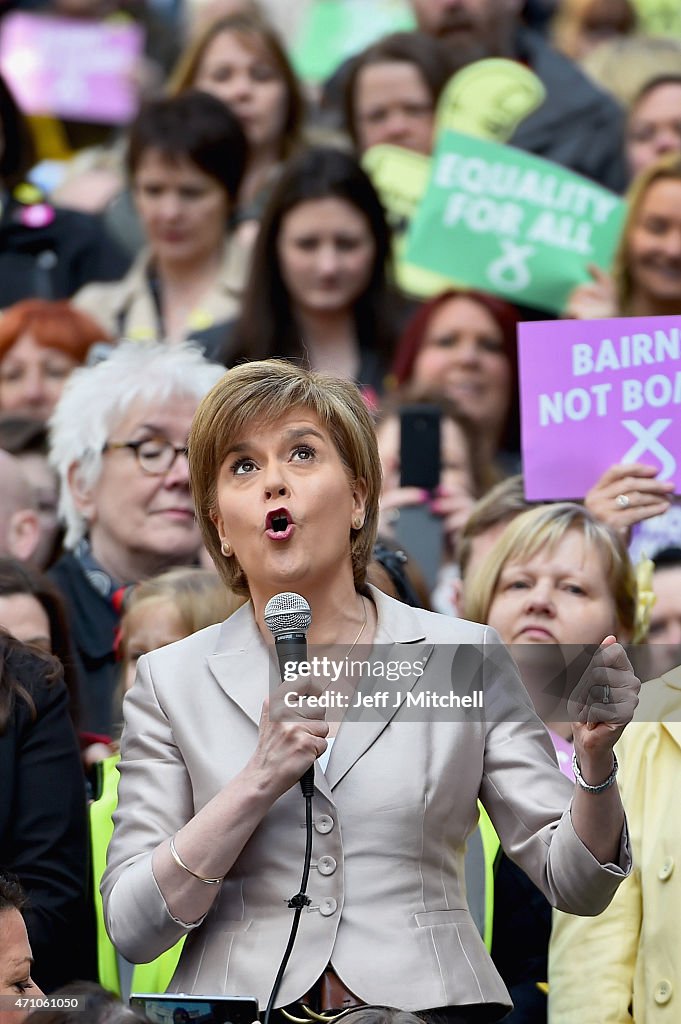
(216,386)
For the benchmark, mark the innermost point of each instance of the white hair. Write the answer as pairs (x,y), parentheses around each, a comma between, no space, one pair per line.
(96,397)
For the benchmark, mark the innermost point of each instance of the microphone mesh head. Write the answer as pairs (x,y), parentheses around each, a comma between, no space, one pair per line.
(287,613)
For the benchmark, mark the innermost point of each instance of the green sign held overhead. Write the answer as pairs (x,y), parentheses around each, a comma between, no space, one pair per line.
(333,30)
(498,219)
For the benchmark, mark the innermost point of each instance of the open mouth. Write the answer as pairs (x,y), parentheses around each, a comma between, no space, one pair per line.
(279,524)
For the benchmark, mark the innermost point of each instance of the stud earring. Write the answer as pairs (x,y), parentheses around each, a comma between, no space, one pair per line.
(226,548)
(357,523)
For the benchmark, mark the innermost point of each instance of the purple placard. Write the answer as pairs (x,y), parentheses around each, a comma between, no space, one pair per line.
(597,392)
(82,70)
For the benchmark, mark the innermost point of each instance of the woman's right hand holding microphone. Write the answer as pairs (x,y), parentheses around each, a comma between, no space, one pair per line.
(292,735)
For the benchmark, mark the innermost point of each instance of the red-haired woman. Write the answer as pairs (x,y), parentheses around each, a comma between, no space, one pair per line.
(41,342)
(462,345)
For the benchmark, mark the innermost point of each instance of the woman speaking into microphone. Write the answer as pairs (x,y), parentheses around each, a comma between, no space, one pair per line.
(210,832)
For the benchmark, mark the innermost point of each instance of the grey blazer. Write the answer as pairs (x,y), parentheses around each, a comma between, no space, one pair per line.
(391,818)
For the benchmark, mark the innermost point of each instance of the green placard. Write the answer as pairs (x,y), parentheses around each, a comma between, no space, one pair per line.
(333,30)
(498,219)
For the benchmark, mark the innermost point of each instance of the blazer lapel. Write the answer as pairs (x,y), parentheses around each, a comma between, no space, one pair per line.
(245,667)
(241,663)
(397,628)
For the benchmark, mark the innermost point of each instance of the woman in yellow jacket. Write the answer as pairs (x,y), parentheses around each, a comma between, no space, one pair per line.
(624,965)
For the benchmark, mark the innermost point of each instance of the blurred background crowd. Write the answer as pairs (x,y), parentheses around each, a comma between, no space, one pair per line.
(184,185)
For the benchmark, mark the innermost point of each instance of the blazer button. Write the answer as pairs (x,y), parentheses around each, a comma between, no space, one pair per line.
(323,823)
(663,992)
(328,906)
(326,865)
(666,869)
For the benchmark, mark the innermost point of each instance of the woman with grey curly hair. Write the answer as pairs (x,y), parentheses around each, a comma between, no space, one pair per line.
(118,442)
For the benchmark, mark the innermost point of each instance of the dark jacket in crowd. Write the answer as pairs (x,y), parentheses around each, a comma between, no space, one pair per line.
(43,823)
(93,621)
(578,125)
(520,941)
(49,253)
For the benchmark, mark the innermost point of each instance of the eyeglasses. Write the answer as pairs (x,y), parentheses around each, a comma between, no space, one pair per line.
(155,455)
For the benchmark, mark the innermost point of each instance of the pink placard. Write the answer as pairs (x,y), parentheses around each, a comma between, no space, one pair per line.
(594,393)
(80,70)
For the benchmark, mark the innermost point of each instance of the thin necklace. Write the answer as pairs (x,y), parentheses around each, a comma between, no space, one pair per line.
(356,640)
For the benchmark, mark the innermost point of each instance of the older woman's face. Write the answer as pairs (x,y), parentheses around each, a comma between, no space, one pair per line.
(463,358)
(654,250)
(285,504)
(15,967)
(560,595)
(133,514)
(183,211)
(554,608)
(654,127)
(393,104)
(32,377)
(246,79)
(326,251)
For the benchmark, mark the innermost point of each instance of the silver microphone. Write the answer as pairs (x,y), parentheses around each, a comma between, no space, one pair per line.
(288,617)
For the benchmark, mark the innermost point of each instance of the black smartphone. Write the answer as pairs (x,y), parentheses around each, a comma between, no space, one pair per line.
(176,1008)
(420,446)
(418,530)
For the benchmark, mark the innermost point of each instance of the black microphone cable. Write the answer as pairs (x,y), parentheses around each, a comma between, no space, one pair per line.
(288,617)
(301,900)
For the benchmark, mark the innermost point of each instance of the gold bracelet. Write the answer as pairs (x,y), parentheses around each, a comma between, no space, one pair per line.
(181,864)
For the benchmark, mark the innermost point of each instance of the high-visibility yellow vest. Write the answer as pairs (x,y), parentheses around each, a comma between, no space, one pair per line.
(152,977)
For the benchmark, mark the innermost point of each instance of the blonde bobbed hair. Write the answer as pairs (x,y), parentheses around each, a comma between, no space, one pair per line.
(544,527)
(255,395)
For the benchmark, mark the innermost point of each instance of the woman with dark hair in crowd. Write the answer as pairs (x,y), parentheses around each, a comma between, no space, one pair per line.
(185,161)
(317,290)
(32,610)
(40,343)
(240,60)
(43,822)
(392,89)
(462,345)
(44,251)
